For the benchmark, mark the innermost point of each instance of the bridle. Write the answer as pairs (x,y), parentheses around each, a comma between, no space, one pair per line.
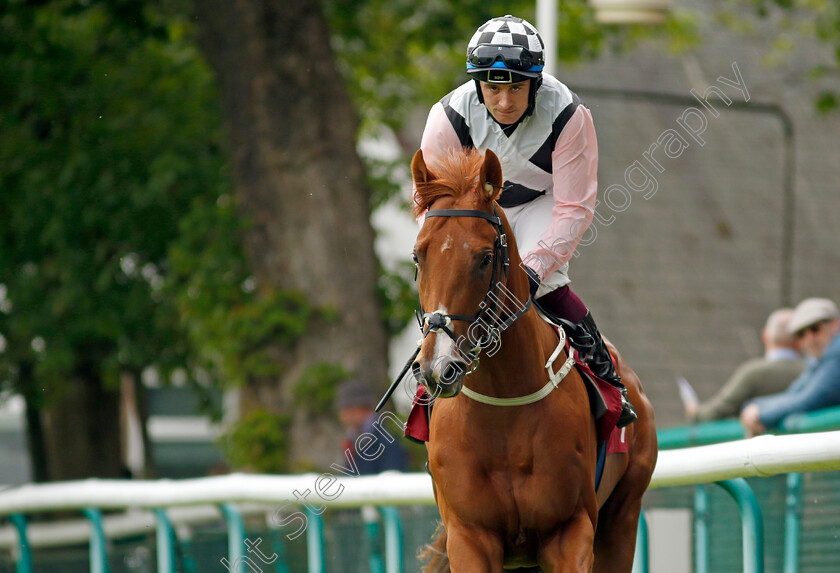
(438,322)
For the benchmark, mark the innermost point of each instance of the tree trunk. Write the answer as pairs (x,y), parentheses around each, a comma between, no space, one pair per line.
(134,423)
(35,441)
(82,430)
(299,180)
(35,444)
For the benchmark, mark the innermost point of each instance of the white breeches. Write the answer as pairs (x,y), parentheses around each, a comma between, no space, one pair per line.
(529,222)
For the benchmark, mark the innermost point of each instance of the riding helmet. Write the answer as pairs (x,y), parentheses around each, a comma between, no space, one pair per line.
(506,50)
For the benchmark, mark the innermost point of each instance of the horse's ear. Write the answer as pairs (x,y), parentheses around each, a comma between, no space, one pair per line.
(419,170)
(491,175)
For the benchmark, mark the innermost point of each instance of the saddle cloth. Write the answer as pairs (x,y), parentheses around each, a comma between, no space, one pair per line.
(604,400)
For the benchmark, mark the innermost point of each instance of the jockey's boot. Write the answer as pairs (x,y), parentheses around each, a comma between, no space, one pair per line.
(586,339)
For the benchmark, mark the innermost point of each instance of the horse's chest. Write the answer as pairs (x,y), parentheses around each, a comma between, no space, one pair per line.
(511,473)
(528,486)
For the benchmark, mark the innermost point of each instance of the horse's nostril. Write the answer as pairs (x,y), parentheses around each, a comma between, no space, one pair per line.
(452,372)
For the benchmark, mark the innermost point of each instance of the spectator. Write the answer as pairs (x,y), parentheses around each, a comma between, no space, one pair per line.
(354,402)
(815,323)
(770,374)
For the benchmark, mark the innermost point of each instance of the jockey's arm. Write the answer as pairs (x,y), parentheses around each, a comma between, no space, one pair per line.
(575,180)
(438,138)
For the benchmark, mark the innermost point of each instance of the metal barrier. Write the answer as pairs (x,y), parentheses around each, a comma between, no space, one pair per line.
(730,429)
(722,463)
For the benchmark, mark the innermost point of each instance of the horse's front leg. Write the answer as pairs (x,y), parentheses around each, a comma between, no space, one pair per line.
(570,549)
(473,550)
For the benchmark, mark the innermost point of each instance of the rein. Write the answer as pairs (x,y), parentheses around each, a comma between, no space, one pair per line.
(554,379)
(438,322)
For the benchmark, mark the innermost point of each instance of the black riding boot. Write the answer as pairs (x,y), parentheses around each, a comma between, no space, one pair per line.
(586,339)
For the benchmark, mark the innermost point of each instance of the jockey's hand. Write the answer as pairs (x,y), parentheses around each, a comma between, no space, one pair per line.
(533,279)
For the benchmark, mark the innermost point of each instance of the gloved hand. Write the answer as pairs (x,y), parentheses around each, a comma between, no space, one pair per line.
(533,279)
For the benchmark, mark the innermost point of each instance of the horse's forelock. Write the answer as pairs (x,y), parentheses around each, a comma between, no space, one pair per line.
(456,175)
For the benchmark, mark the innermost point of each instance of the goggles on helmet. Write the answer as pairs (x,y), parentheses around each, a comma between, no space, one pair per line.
(514,58)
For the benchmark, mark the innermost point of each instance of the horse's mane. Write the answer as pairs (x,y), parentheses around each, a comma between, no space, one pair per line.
(456,174)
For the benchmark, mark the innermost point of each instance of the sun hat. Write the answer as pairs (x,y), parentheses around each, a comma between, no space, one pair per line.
(811,311)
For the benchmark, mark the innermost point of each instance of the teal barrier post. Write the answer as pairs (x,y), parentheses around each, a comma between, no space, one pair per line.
(641,559)
(793,511)
(370,517)
(279,546)
(236,535)
(751,523)
(701,529)
(165,537)
(98,543)
(316,557)
(393,540)
(24,559)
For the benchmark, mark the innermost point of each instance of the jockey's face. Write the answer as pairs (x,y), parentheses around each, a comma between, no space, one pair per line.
(506,102)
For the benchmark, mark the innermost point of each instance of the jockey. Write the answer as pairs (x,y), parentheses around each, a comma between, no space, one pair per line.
(545,140)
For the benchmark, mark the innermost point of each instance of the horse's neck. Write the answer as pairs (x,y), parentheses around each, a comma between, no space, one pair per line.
(518,366)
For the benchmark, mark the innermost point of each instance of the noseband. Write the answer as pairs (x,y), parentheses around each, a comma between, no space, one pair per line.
(438,322)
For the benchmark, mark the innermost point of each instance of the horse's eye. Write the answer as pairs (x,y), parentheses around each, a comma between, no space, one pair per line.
(414,258)
(486,260)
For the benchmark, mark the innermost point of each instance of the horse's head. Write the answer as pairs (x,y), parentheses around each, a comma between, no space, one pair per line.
(462,257)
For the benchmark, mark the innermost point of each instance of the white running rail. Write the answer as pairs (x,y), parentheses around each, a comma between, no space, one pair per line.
(761,456)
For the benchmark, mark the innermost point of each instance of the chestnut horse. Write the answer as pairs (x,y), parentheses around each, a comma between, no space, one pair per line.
(515,485)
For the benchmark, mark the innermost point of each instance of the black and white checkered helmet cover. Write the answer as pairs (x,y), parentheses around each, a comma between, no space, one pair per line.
(507,31)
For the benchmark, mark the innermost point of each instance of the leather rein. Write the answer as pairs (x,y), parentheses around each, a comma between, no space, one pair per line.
(439,322)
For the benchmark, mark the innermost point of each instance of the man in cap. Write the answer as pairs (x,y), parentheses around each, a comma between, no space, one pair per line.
(769,374)
(354,402)
(816,323)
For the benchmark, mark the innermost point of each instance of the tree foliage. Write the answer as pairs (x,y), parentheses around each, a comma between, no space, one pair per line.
(259,442)
(111,138)
(110,132)
(789,23)
(120,244)
(398,54)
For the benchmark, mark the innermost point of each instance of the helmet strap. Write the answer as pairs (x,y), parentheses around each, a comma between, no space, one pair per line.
(532,95)
(478,91)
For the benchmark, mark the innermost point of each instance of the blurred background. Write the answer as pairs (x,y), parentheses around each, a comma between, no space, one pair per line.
(204,221)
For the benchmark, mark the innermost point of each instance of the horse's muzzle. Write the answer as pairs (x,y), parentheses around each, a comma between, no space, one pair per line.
(443,378)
